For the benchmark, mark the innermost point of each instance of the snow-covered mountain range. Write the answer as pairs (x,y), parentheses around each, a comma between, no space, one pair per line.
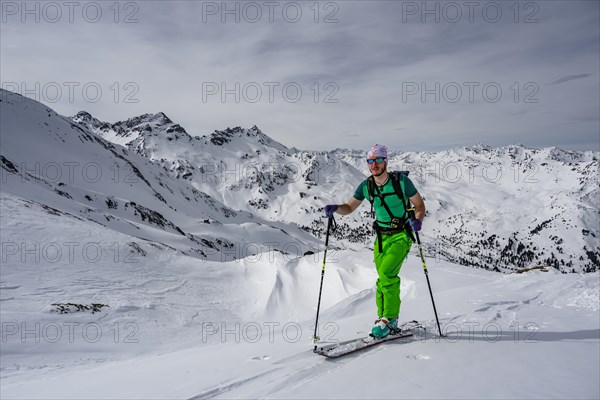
(494,208)
(62,166)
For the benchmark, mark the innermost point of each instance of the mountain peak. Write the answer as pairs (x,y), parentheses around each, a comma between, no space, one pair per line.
(86,119)
(152,124)
(254,134)
(162,118)
(83,115)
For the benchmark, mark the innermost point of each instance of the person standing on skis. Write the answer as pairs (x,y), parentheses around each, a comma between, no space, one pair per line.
(391,195)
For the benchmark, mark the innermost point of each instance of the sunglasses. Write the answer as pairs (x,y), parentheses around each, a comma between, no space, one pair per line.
(377,160)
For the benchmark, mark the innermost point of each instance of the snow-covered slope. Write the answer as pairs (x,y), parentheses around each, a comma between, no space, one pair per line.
(176,328)
(60,165)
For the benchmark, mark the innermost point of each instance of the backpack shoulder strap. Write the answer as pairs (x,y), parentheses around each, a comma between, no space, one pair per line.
(371,193)
(396,176)
(371,188)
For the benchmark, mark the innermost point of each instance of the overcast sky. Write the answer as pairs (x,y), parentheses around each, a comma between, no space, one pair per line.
(413,75)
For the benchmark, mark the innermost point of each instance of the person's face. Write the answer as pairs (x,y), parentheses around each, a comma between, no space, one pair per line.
(377,165)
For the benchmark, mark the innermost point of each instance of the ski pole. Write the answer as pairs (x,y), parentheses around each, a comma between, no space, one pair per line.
(330,223)
(412,215)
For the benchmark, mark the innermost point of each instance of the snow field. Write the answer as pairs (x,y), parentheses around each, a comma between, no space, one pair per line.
(179,328)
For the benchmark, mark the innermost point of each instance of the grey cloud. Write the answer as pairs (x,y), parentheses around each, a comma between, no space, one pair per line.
(569,78)
(369,53)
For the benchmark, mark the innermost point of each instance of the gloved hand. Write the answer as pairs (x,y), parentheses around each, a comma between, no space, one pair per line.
(330,210)
(415,224)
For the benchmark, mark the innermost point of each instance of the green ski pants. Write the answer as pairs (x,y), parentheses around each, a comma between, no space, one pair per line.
(388,263)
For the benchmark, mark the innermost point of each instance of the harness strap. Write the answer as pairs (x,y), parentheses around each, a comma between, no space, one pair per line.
(396,223)
(404,228)
(383,203)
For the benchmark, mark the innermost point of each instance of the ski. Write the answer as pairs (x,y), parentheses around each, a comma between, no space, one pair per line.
(354,345)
